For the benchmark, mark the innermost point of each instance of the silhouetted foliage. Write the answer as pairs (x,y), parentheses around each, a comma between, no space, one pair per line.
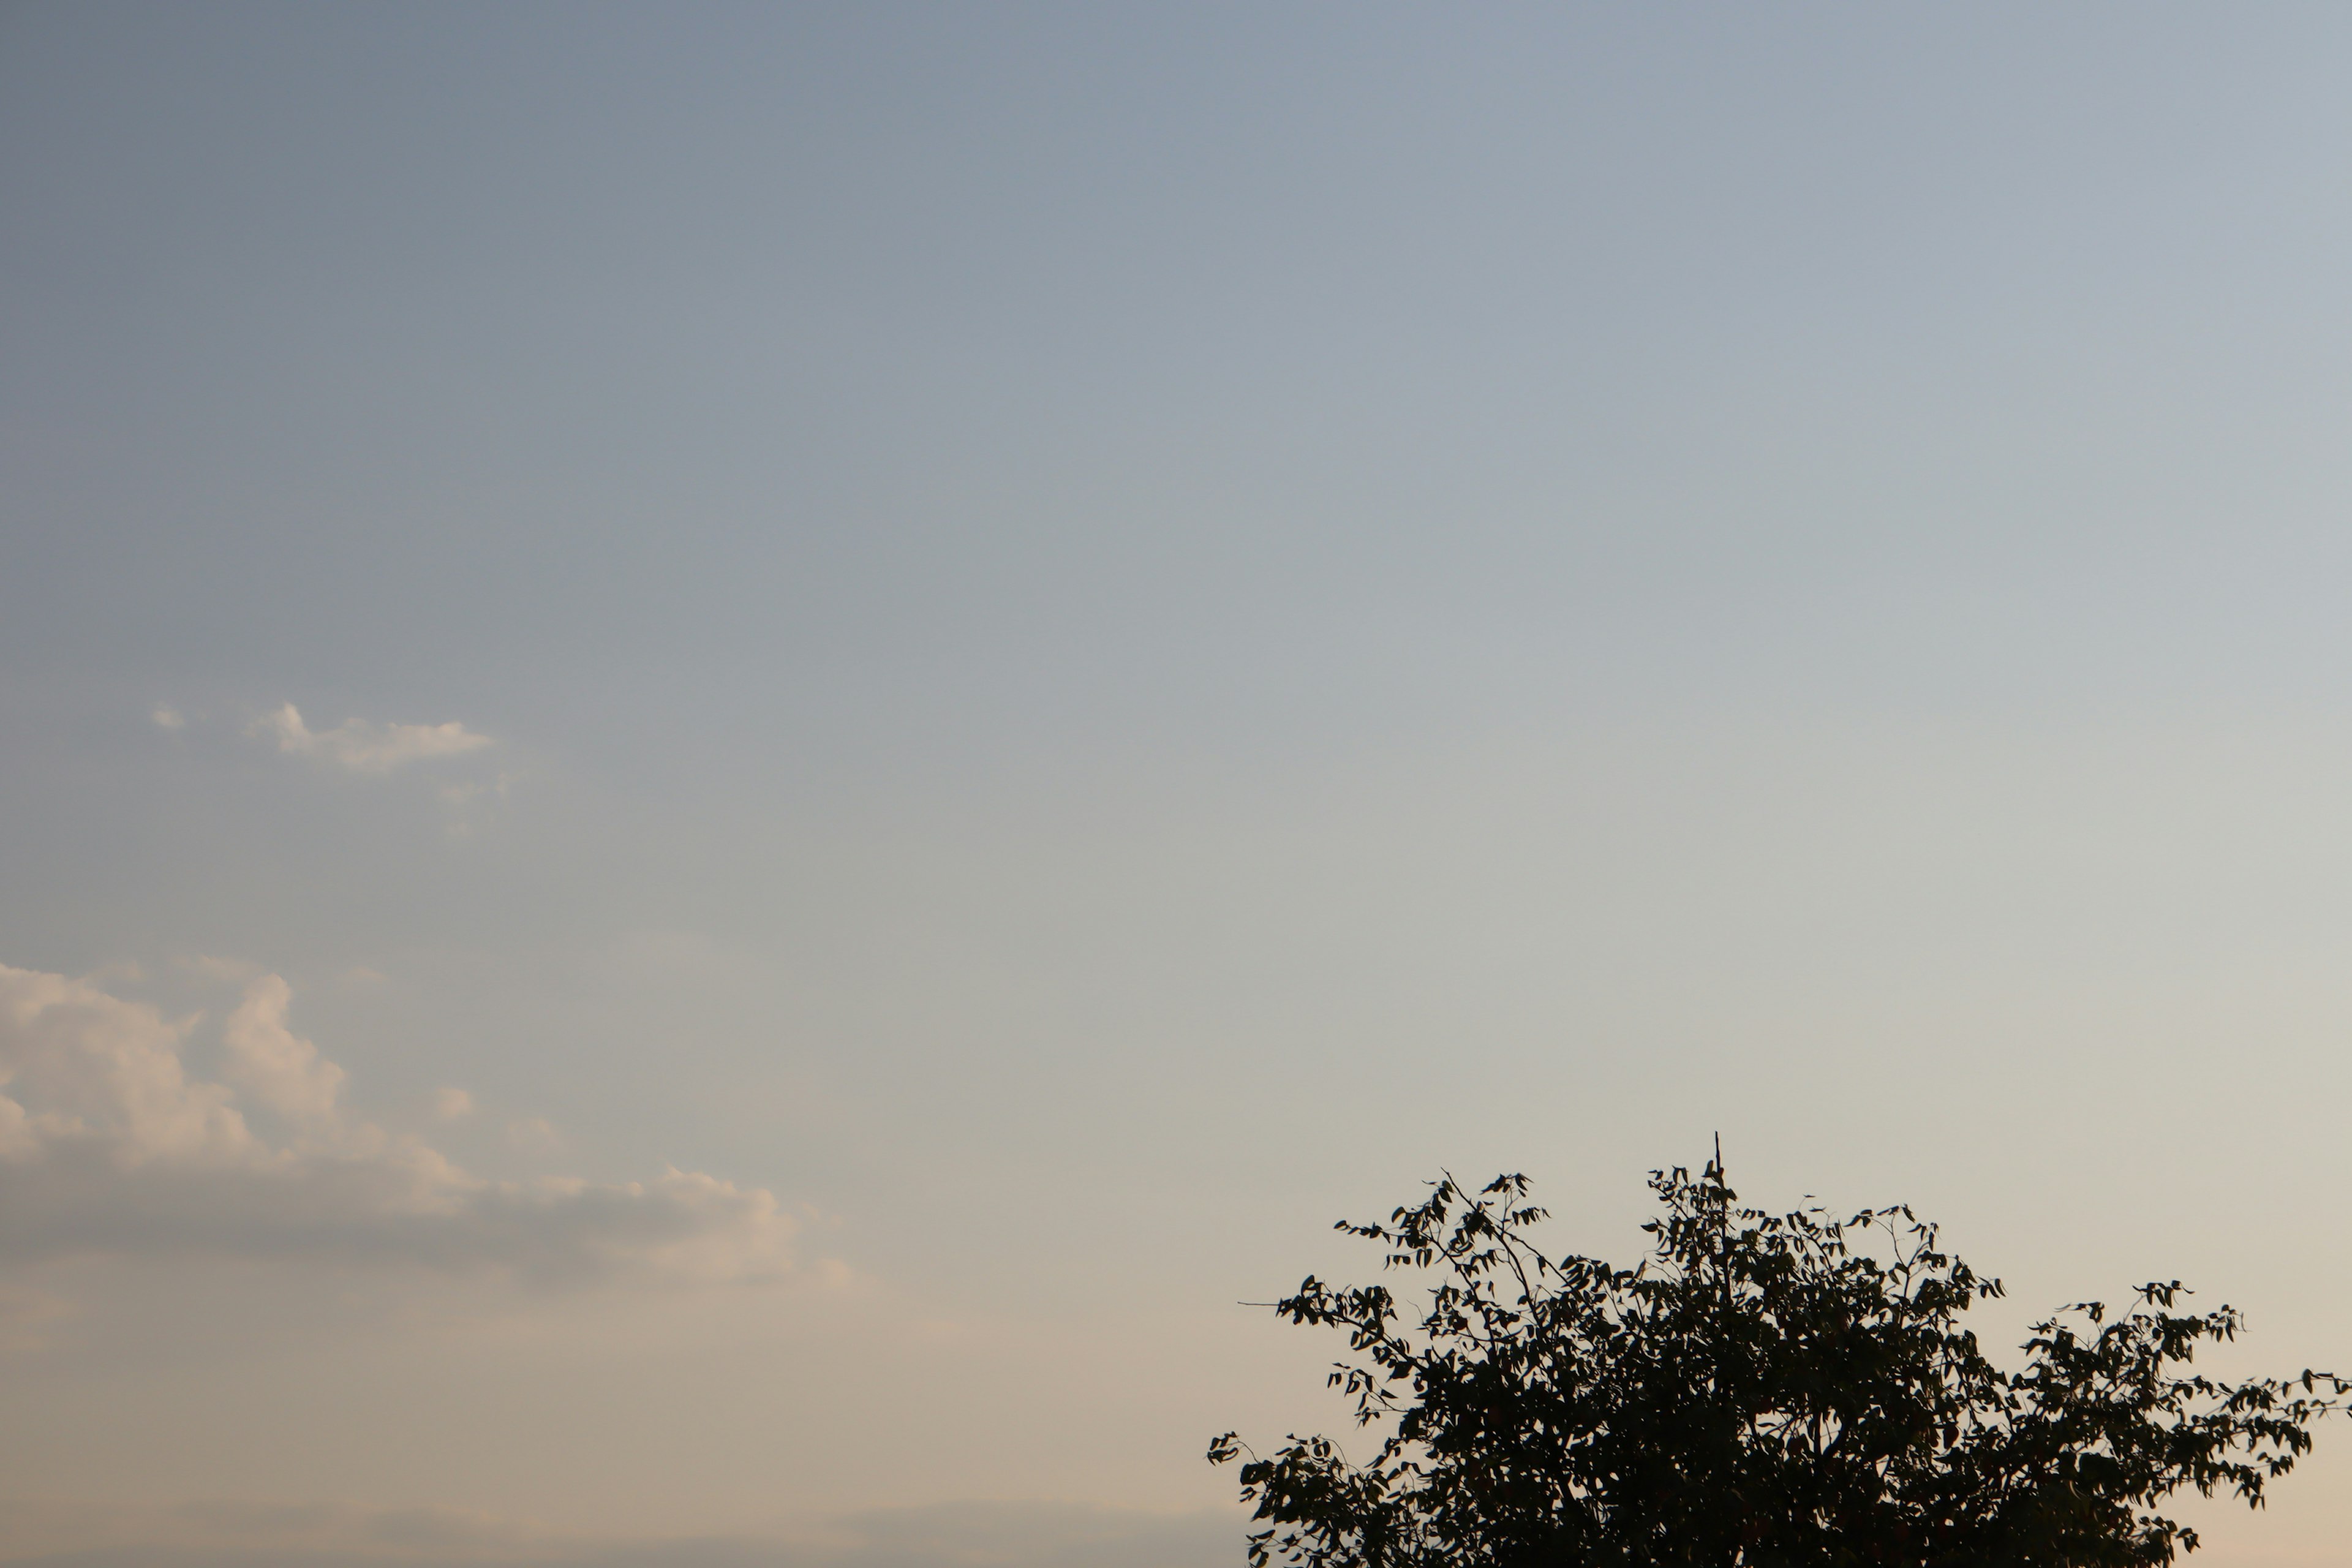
(1763,1389)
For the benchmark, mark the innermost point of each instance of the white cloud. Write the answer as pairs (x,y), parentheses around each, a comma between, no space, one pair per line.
(167,717)
(366,748)
(109,1146)
(451,1104)
(275,1066)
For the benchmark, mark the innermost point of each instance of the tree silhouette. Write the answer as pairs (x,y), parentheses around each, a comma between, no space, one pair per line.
(1762,1390)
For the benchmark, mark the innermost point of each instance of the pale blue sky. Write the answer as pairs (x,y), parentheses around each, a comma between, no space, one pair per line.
(1104,635)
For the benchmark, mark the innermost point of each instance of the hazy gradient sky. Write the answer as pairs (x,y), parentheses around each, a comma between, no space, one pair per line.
(745,748)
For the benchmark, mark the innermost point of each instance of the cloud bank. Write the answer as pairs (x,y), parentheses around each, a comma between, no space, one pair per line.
(108,1145)
(952,1535)
(365,748)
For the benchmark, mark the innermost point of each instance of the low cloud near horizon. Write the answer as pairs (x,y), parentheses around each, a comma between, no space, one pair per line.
(949,1535)
(110,1147)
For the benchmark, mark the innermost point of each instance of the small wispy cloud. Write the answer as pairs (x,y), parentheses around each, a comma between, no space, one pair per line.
(362,747)
(167,717)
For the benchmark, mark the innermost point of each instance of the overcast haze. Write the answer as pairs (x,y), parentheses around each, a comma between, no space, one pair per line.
(745,748)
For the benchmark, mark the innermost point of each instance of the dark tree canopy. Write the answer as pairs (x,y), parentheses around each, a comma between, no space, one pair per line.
(1763,1389)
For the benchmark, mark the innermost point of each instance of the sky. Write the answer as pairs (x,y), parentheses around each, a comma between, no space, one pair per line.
(749,749)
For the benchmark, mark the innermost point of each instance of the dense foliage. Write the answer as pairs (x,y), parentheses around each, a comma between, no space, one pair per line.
(1763,1389)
